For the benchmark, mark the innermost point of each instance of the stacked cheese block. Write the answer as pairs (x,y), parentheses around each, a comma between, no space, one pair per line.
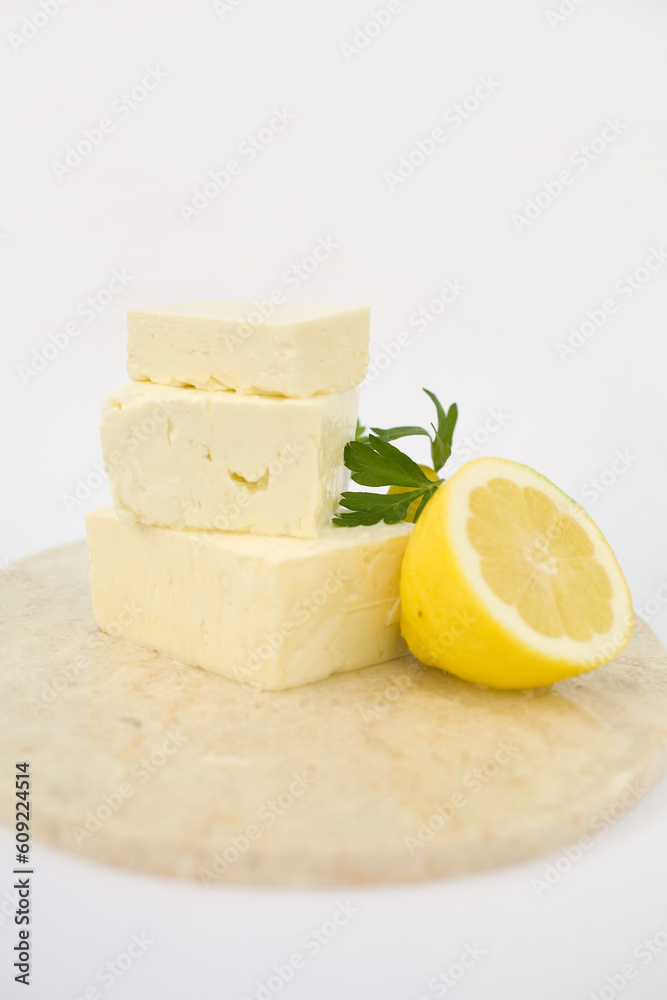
(225,458)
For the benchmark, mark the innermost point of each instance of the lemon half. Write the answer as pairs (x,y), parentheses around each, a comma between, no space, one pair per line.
(506,581)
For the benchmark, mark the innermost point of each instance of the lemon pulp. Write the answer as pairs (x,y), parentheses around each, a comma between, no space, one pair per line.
(507,581)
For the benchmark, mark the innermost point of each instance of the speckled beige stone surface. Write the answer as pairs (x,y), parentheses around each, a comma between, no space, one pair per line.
(391,773)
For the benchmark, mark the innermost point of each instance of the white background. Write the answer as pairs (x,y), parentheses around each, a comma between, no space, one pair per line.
(355,113)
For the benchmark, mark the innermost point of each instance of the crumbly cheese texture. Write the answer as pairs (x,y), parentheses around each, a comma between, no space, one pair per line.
(271,612)
(287,350)
(181,458)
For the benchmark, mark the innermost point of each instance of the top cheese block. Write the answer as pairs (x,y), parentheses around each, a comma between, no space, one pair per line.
(263,348)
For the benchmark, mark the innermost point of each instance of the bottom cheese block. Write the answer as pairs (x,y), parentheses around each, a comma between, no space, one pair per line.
(271,612)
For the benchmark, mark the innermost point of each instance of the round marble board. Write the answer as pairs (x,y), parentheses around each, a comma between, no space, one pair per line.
(391,773)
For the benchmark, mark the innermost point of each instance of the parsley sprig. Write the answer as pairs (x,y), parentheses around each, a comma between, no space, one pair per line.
(374,461)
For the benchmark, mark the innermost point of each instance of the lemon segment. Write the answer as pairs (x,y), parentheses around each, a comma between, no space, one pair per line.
(412,509)
(507,581)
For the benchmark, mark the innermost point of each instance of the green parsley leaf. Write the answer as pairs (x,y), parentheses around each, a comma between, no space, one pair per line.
(373,461)
(391,433)
(378,463)
(441,444)
(369,508)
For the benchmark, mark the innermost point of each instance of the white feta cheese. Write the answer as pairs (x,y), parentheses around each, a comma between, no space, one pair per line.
(272,612)
(182,458)
(289,350)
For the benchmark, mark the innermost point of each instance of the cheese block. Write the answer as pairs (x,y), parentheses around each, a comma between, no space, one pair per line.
(181,458)
(271,612)
(256,347)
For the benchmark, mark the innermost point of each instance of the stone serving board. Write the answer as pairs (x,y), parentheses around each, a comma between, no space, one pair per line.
(392,773)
